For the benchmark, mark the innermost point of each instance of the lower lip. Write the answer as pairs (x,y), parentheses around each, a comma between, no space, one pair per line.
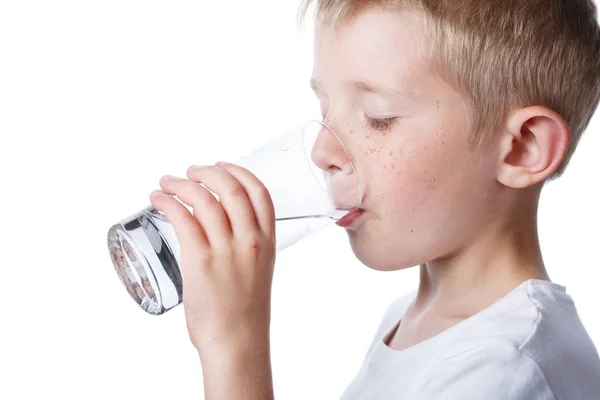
(350,218)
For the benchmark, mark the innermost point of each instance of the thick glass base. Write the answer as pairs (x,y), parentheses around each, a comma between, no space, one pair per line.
(145,253)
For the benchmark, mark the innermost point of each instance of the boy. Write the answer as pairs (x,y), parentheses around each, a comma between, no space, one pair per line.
(456,113)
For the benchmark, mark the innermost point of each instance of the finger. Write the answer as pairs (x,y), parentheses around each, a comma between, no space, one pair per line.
(232,196)
(259,196)
(188,231)
(206,209)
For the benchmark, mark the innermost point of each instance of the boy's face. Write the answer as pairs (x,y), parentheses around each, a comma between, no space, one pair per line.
(426,193)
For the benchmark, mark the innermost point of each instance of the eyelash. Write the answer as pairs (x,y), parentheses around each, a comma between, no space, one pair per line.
(380,124)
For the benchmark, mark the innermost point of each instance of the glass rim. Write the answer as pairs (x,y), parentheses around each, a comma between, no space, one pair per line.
(344,148)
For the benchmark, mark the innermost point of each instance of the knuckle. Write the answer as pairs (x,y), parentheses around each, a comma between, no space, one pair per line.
(251,246)
(224,252)
(187,220)
(206,257)
(236,191)
(205,198)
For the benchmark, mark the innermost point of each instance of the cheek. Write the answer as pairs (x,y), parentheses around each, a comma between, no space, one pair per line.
(419,159)
(381,153)
(418,174)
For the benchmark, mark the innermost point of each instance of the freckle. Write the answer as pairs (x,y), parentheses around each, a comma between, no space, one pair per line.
(391,154)
(411,231)
(366,154)
(393,165)
(351,131)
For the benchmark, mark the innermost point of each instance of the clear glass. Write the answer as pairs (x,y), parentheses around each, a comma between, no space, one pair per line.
(307,192)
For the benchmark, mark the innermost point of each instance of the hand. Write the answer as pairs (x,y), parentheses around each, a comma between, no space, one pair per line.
(227,252)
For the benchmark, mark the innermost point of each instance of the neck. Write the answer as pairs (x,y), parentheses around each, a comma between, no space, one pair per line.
(503,256)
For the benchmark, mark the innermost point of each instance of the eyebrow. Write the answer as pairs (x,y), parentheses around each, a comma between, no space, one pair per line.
(364,86)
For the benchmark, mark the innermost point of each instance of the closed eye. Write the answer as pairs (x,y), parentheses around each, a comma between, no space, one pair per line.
(380,124)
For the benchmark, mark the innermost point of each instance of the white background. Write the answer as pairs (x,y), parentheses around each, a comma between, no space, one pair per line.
(98,100)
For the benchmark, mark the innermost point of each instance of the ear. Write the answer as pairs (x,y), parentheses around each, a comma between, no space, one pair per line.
(532,146)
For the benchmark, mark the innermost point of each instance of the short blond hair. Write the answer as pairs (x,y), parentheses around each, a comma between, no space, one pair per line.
(505,54)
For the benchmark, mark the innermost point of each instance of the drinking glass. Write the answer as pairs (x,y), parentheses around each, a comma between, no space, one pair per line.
(311,179)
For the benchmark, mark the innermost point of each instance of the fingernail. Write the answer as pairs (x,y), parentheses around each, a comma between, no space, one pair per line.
(168,177)
(221,163)
(193,167)
(156,193)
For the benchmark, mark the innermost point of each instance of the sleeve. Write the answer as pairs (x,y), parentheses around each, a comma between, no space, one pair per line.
(491,372)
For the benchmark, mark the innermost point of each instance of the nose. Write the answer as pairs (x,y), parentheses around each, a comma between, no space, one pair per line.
(328,152)
(331,155)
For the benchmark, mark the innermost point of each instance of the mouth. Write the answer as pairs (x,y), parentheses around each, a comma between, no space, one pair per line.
(350,218)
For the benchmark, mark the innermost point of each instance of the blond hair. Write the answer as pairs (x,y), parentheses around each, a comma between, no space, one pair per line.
(505,54)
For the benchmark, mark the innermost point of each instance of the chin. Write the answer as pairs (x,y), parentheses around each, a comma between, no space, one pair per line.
(376,259)
(382,255)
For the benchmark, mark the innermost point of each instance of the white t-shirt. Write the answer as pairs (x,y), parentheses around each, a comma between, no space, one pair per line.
(529,345)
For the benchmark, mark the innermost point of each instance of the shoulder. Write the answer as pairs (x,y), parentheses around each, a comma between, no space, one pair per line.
(536,318)
(496,370)
(560,344)
(530,344)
